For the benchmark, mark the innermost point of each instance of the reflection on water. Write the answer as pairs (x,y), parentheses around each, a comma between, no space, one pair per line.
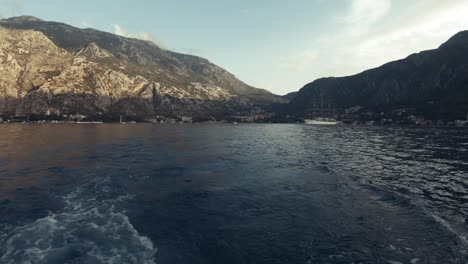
(232,194)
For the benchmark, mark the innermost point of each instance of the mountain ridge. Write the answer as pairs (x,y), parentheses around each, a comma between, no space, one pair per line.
(181,84)
(432,84)
(86,36)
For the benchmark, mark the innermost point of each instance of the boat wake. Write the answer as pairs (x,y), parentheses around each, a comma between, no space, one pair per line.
(92,228)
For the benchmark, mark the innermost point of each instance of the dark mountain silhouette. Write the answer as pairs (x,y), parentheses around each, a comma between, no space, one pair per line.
(432,83)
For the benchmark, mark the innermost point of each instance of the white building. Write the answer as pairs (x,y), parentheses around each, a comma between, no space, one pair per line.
(186,119)
(77,117)
(52,111)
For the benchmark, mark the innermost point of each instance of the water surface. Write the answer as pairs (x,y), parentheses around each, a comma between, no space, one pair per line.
(232,194)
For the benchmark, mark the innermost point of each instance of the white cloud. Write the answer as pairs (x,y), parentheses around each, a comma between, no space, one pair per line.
(148,37)
(119,30)
(337,49)
(365,41)
(426,32)
(362,14)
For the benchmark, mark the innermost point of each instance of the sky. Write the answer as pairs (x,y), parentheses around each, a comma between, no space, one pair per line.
(279,45)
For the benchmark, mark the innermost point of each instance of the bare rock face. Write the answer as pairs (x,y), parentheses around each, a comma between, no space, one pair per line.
(52,65)
(35,72)
(94,51)
(28,60)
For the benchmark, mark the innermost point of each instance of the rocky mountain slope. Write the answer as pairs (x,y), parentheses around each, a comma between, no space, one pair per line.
(53,65)
(433,84)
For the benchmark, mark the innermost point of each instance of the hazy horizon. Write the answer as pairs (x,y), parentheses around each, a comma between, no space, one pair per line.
(270,44)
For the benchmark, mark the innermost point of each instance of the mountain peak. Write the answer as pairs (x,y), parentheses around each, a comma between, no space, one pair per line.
(100,72)
(21,19)
(459,40)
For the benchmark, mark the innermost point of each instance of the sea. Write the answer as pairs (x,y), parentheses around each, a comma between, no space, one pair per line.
(227,193)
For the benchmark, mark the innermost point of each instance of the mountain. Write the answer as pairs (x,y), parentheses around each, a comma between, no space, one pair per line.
(53,65)
(290,96)
(432,84)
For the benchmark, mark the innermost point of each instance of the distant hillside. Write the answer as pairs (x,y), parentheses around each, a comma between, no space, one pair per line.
(433,84)
(54,65)
(290,96)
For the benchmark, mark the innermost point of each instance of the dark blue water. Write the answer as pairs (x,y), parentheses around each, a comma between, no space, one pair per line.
(232,194)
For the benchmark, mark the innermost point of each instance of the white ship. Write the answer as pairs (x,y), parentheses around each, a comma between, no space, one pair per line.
(90,122)
(321,121)
(322,107)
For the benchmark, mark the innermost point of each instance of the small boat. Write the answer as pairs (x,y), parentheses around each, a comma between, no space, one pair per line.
(321,121)
(89,122)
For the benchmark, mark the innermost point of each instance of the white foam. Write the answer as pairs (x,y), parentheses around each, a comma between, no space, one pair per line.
(462,238)
(87,231)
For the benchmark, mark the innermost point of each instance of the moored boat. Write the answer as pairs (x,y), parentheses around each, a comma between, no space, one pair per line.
(321,121)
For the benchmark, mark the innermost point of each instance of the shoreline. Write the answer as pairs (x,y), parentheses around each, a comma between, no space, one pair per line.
(231,123)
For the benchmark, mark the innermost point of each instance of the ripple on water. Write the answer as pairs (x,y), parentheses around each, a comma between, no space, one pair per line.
(266,193)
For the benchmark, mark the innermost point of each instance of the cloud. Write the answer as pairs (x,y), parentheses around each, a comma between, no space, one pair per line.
(149,37)
(339,48)
(371,34)
(425,32)
(362,14)
(119,30)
